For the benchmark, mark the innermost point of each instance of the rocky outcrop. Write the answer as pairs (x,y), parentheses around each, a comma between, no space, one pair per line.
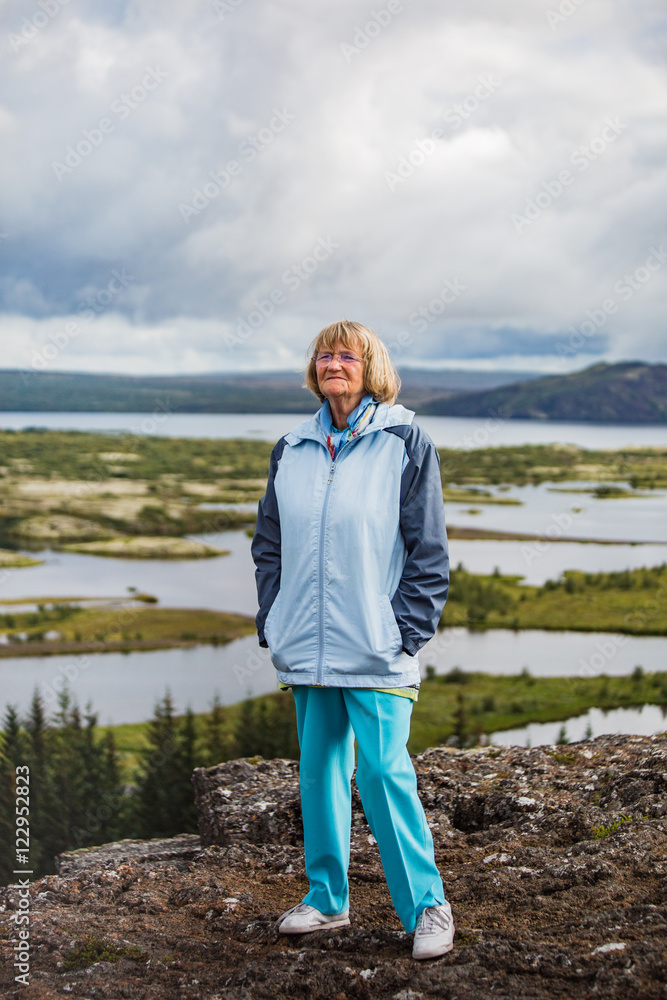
(554,860)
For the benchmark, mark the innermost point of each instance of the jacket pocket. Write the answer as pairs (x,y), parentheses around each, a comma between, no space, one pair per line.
(272,618)
(389,619)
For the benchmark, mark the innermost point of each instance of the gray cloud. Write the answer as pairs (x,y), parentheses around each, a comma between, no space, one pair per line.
(207,147)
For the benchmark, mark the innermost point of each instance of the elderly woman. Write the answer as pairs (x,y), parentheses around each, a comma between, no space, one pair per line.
(352,575)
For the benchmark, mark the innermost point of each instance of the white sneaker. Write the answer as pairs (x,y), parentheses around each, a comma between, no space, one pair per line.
(434,934)
(302,919)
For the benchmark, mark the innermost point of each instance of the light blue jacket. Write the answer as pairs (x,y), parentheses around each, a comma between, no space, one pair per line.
(351,555)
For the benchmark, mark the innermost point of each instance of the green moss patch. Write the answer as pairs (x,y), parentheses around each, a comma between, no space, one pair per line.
(91,950)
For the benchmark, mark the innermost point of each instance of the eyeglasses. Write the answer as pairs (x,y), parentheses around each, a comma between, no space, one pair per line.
(325,358)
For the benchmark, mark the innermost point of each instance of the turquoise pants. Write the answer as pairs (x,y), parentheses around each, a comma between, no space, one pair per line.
(328,720)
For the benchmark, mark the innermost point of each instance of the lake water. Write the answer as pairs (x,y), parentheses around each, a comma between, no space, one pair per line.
(556,512)
(646,721)
(124,688)
(227,583)
(447,432)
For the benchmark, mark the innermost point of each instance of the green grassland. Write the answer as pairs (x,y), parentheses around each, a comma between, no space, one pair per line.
(15,560)
(147,547)
(631,601)
(467,705)
(79,455)
(642,468)
(477,495)
(62,487)
(459,707)
(73,487)
(124,625)
(603,492)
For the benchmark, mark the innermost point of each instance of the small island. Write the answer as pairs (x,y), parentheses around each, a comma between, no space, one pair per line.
(15,560)
(147,547)
(80,625)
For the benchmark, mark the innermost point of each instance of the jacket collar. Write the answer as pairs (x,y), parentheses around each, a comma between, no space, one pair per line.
(384,416)
(326,417)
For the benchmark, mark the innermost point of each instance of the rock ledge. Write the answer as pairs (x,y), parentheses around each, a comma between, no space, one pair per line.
(554,860)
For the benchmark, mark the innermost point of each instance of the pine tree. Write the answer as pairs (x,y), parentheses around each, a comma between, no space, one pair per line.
(186,761)
(12,755)
(562,737)
(246,732)
(266,727)
(460,720)
(67,776)
(99,807)
(217,746)
(165,801)
(14,738)
(43,803)
(282,740)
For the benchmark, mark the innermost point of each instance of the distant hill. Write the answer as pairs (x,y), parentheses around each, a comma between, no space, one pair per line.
(630,392)
(264,392)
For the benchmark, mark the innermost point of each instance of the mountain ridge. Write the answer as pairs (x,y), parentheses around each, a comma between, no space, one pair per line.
(626,392)
(219,392)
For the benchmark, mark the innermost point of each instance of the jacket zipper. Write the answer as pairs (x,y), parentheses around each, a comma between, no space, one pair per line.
(320,662)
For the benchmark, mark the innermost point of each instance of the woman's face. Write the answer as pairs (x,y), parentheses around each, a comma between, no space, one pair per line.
(338,379)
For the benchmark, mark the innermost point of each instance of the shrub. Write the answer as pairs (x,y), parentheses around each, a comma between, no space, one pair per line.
(456,676)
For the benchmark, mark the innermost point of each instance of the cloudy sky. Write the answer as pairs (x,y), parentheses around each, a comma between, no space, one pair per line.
(201,185)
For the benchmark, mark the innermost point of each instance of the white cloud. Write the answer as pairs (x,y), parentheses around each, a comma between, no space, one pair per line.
(211,101)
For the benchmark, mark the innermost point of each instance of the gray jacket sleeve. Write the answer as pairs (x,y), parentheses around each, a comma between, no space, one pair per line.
(265,546)
(422,590)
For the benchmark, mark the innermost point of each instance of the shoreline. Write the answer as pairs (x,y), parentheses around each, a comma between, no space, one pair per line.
(491,535)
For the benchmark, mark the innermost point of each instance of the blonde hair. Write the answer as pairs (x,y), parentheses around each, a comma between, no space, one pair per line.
(380,376)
